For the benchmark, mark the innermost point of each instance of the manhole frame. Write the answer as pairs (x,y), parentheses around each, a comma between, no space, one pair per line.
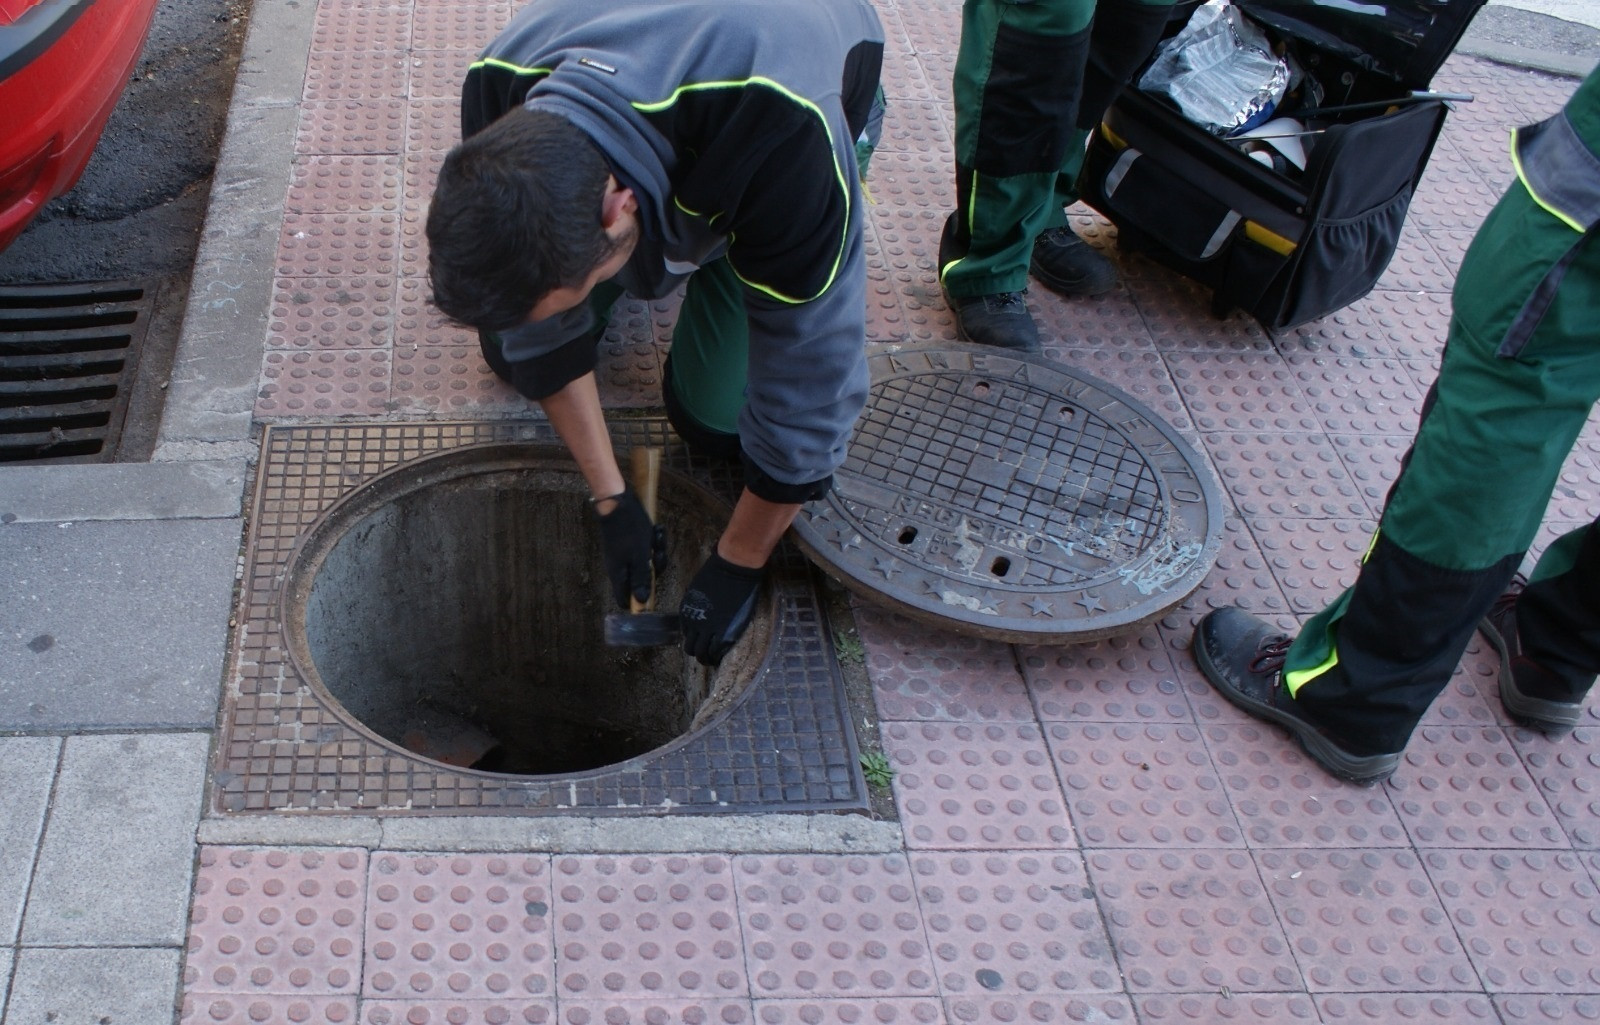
(786,744)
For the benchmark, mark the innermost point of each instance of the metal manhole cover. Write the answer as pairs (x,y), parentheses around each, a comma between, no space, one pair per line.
(1007,496)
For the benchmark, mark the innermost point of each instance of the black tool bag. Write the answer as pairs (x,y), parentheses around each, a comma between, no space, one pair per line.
(1287,246)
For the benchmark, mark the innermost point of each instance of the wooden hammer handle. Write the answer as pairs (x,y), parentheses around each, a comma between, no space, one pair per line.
(646,475)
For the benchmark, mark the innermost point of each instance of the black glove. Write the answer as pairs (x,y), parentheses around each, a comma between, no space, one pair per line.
(717,608)
(633,547)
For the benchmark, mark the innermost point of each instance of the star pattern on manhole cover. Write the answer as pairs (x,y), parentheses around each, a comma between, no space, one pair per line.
(1091,603)
(885,566)
(1041,607)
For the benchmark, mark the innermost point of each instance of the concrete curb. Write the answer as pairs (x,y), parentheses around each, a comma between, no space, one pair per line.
(217,368)
(734,834)
(1527,57)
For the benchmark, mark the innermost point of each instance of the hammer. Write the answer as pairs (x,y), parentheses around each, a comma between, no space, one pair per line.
(641,626)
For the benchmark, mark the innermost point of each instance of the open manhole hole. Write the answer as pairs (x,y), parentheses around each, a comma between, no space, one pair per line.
(455,607)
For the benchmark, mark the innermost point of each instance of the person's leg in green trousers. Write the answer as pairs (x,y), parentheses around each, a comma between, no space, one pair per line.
(1497,426)
(704,386)
(1018,77)
(1031,79)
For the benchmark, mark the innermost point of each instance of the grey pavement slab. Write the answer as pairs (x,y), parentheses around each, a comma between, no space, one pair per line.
(114,624)
(121,491)
(118,854)
(94,987)
(6,957)
(27,767)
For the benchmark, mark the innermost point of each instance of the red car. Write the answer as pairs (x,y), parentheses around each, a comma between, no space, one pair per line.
(63,65)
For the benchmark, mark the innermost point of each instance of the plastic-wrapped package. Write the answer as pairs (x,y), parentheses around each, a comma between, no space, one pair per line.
(1220,70)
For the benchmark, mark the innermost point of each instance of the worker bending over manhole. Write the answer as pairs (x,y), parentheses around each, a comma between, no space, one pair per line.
(611,150)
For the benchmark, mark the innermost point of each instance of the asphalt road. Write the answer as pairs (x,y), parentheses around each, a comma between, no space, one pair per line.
(137,212)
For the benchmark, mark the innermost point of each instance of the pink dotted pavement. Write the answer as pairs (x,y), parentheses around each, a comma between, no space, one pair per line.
(1086,833)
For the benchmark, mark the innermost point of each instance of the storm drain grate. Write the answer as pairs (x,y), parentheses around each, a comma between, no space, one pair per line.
(67,353)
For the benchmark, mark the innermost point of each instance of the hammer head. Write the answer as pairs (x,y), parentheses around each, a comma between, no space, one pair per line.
(642,629)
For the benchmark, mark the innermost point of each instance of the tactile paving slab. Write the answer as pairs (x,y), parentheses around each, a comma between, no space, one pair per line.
(1368,396)
(462,28)
(876,1011)
(1227,1007)
(1528,918)
(1567,770)
(1284,799)
(1422,1008)
(1141,786)
(1312,560)
(1234,392)
(1192,920)
(1519,1010)
(921,673)
(230,1008)
(1465,786)
(962,787)
(1239,578)
(1178,313)
(318,313)
(833,927)
(787,744)
(1104,322)
(457,1012)
(1288,475)
(1365,920)
(1373,461)
(641,928)
(277,922)
(655,1012)
(1126,678)
(1014,924)
(341,28)
(1045,1010)
(350,126)
(462,928)
(1005,496)
(1415,267)
(1472,698)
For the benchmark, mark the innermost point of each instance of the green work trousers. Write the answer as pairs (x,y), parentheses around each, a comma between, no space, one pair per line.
(1031,78)
(1495,431)
(704,384)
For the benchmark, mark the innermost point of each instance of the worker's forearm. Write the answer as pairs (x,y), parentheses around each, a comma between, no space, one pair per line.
(575,413)
(755,530)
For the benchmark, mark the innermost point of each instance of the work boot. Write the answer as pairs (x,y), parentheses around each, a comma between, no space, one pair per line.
(1521,678)
(1243,658)
(1070,266)
(1001,320)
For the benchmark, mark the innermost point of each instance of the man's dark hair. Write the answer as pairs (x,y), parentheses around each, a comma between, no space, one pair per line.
(515,214)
